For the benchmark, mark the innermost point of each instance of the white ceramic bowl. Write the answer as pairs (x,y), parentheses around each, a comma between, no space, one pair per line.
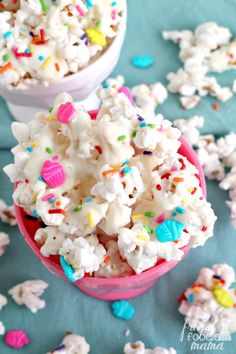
(23,103)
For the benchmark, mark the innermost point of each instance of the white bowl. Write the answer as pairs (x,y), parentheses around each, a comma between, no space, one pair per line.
(23,103)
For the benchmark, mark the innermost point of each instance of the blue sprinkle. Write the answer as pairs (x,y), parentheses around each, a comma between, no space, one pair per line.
(51,200)
(191,298)
(89,4)
(105,85)
(125,163)
(35,214)
(169,230)
(114,3)
(143,124)
(142,61)
(41,57)
(180,210)
(68,269)
(29,149)
(27,50)
(41,179)
(174,213)
(89,200)
(127,169)
(7,34)
(141,119)
(123,309)
(61,346)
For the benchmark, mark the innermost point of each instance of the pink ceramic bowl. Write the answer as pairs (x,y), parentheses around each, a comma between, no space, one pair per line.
(103,288)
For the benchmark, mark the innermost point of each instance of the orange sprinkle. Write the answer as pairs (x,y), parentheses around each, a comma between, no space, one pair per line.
(58,203)
(1,6)
(178,179)
(107,259)
(109,172)
(5,68)
(57,67)
(216,106)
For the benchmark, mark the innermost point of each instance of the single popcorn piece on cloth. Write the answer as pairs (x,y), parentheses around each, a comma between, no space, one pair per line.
(139,348)
(4,241)
(207,49)
(3,301)
(2,329)
(28,292)
(72,344)
(42,42)
(115,178)
(209,306)
(7,213)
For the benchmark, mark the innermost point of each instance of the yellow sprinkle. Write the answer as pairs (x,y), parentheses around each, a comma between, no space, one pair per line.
(34,197)
(142,238)
(116,167)
(90,219)
(46,63)
(190,189)
(137,216)
(75,266)
(196,289)
(34,144)
(31,47)
(184,201)
(145,222)
(50,117)
(95,36)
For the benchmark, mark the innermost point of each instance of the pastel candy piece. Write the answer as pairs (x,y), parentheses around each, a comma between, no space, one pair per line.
(53,173)
(65,113)
(123,309)
(169,230)
(142,61)
(16,338)
(127,93)
(223,297)
(68,269)
(95,36)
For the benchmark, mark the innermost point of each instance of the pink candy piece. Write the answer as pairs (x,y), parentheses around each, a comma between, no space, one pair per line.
(47,197)
(127,93)
(160,218)
(53,173)
(80,10)
(16,338)
(65,113)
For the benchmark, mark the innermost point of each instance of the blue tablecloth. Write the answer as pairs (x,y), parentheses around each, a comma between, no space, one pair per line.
(157,321)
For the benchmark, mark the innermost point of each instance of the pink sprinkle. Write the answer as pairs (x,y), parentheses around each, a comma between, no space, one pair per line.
(160,218)
(127,93)
(174,168)
(161,128)
(55,158)
(47,197)
(80,10)
(16,338)
(201,198)
(53,173)
(113,14)
(65,112)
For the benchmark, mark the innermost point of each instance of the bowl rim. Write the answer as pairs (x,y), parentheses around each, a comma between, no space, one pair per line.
(161,263)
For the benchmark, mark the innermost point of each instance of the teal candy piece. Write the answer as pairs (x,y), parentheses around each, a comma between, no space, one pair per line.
(68,269)
(169,230)
(142,61)
(123,309)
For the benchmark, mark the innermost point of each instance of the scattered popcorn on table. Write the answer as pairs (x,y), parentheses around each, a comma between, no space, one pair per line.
(119,177)
(72,344)
(7,213)
(2,329)
(3,301)
(4,241)
(16,338)
(209,306)
(139,348)
(207,49)
(28,292)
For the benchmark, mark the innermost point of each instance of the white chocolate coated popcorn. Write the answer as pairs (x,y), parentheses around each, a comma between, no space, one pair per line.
(4,241)
(139,348)
(72,344)
(28,292)
(190,128)
(3,301)
(209,305)
(7,213)
(117,178)
(2,329)
(42,42)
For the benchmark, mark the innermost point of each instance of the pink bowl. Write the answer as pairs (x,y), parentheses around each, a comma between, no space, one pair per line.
(103,288)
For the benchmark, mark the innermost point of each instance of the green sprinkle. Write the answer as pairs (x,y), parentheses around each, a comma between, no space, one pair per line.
(149,214)
(135,132)
(150,125)
(5,57)
(150,231)
(97,24)
(50,109)
(48,150)
(121,137)
(44,5)
(78,208)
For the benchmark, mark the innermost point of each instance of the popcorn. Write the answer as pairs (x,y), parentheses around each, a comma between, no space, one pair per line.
(207,49)
(28,292)
(4,241)
(2,329)
(43,42)
(7,214)
(118,178)
(139,348)
(72,344)
(3,301)
(209,305)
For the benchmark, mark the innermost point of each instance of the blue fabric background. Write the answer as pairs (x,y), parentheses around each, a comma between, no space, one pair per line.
(157,321)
